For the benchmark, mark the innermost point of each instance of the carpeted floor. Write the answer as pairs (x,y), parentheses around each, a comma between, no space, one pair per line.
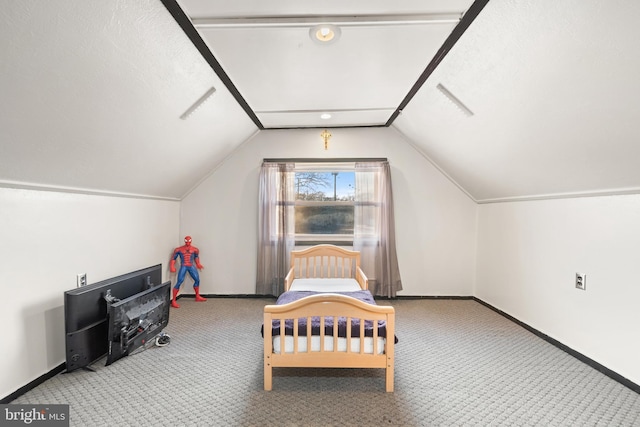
(458,363)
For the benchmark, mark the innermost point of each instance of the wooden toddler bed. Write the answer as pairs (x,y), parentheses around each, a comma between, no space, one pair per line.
(325,288)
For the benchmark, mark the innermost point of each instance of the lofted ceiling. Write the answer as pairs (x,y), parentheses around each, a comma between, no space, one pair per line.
(555,95)
(92,94)
(511,99)
(289,79)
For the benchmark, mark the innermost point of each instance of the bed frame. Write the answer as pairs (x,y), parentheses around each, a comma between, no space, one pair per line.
(326,261)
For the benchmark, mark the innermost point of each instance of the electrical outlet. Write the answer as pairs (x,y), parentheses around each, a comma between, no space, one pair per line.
(82,280)
(581,281)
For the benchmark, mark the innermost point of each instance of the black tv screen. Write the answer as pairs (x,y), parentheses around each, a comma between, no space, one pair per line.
(86,315)
(135,321)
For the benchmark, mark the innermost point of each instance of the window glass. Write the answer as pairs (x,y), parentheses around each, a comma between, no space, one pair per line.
(325,186)
(324,204)
(323,219)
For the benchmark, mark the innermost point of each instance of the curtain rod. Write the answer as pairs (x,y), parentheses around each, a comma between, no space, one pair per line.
(325,160)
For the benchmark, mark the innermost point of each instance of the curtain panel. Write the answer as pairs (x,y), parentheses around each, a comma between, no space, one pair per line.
(374,228)
(276,224)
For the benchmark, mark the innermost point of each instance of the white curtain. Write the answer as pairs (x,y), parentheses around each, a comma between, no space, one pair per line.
(374,228)
(276,224)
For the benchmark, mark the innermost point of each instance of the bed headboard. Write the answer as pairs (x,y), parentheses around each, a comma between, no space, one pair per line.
(325,261)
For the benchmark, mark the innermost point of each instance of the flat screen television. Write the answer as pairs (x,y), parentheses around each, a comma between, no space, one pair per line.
(86,314)
(136,320)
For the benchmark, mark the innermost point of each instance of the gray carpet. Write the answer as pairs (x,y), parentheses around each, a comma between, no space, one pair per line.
(457,364)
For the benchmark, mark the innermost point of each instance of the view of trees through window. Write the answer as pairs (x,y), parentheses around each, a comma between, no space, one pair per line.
(324,203)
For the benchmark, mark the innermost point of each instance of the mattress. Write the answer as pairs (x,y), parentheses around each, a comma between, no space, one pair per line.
(325,285)
(328,344)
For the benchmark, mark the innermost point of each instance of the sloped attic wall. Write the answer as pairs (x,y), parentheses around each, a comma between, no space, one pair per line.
(529,253)
(435,221)
(50,237)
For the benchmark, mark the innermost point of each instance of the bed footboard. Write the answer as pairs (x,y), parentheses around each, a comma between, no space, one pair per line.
(333,351)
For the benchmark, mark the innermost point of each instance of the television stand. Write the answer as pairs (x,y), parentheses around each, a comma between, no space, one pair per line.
(85,368)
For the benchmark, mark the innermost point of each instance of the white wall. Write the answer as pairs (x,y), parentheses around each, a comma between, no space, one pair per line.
(529,253)
(435,221)
(47,239)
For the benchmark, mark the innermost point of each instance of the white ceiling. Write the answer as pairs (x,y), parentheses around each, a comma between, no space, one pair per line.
(289,80)
(91,98)
(93,92)
(555,91)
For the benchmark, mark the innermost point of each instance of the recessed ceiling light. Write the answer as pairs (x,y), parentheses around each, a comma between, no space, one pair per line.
(325,33)
(325,116)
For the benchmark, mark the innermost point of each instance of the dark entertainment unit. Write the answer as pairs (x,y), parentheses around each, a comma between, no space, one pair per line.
(87,313)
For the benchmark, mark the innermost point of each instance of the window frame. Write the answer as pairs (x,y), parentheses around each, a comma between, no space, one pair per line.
(305,239)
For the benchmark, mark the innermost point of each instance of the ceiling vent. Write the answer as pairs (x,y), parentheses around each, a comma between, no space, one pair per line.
(204,98)
(454,100)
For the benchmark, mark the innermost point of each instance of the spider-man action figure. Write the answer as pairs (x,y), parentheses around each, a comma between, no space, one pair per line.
(188,256)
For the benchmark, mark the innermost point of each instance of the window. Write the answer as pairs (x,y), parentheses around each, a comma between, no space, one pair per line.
(324,203)
(303,204)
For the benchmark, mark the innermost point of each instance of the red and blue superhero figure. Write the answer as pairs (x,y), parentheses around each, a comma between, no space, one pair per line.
(188,257)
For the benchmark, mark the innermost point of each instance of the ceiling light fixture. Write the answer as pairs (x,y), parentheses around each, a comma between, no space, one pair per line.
(454,100)
(204,98)
(325,33)
(325,116)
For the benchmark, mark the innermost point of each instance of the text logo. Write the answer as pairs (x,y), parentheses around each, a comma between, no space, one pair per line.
(34,415)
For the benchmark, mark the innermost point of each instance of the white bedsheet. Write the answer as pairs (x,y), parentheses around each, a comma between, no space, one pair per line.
(328,344)
(325,285)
